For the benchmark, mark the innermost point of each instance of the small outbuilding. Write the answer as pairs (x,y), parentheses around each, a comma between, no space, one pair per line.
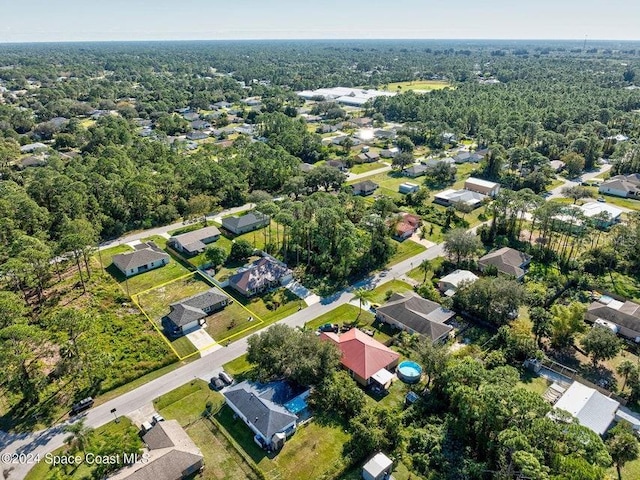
(379,467)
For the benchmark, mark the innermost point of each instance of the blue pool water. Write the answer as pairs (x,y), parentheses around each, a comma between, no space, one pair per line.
(296,405)
(409,372)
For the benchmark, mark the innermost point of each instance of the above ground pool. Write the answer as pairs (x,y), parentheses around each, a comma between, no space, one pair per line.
(409,372)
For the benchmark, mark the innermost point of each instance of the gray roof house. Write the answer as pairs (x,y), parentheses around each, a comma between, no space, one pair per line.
(190,313)
(258,406)
(507,260)
(626,315)
(415,171)
(379,467)
(171,455)
(246,223)
(196,241)
(364,188)
(415,314)
(626,186)
(32,147)
(262,275)
(146,256)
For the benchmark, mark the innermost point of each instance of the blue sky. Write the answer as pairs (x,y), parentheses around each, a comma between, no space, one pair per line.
(77,20)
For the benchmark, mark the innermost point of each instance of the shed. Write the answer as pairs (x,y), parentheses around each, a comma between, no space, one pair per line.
(379,467)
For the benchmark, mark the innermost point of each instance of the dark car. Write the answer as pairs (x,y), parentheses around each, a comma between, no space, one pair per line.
(328,327)
(216,383)
(82,405)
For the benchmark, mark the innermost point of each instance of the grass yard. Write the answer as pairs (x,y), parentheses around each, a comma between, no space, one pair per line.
(200,259)
(237,366)
(313,451)
(405,250)
(395,286)
(124,432)
(532,382)
(366,167)
(621,284)
(263,236)
(418,275)
(348,314)
(228,321)
(388,184)
(630,471)
(284,301)
(186,403)
(425,85)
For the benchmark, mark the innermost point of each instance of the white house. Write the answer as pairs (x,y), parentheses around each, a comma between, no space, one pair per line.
(379,467)
(607,214)
(625,186)
(485,187)
(592,409)
(196,241)
(449,284)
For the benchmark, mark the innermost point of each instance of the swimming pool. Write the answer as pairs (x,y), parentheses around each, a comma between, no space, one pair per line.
(409,372)
(297,404)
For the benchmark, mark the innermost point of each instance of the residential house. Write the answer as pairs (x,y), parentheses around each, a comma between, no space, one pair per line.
(194,242)
(33,161)
(408,187)
(191,116)
(625,315)
(339,164)
(556,165)
(146,256)
(603,214)
(406,226)
(190,313)
(364,358)
(389,152)
(451,197)
(415,171)
(368,157)
(467,157)
(625,186)
(200,124)
(506,260)
(379,467)
(222,104)
(246,223)
(170,455)
(385,134)
(592,409)
(364,188)
(484,187)
(32,147)
(263,408)
(305,167)
(363,121)
(449,284)
(262,275)
(196,135)
(414,314)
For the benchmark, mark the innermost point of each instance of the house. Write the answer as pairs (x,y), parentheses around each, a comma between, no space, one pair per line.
(200,124)
(449,284)
(262,275)
(603,214)
(364,188)
(194,242)
(363,121)
(32,147)
(389,152)
(339,164)
(363,356)
(246,223)
(196,135)
(385,134)
(406,226)
(625,186)
(414,314)
(222,104)
(190,313)
(506,260)
(625,315)
(556,165)
(408,187)
(170,455)
(146,256)
(368,157)
(484,187)
(415,171)
(467,157)
(451,197)
(379,467)
(32,161)
(267,410)
(592,409)
(191,116)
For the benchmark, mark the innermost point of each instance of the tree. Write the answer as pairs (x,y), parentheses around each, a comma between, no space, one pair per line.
(405,144)
(200,205)
(601,344)
(340,392)
(440,174)
(215,255)
(9,151)
(402,160)
(240,251)
(12,309)
(626,368)
(622,445)
(432,358)
(326,177)
(362,295)
(577,192)
(493,299)
(461,245)
(80,435)
(425,267)
(541,319)
(567,321)
(573,163)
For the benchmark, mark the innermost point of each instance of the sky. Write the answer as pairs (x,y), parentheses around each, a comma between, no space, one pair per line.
(109,20)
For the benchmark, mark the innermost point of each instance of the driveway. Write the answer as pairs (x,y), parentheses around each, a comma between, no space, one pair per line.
(202,341)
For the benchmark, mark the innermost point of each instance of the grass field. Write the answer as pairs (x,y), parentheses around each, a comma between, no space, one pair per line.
(285,303)
(406,249)
(348,314)
(237,366)
(418,275)
(366,167)
(228,321)
(418,85)
(396,286)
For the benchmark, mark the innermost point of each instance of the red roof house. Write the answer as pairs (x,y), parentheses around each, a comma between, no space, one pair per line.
(363,356)
(406,226)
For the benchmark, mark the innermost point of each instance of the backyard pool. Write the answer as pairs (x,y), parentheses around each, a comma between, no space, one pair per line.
(409,372)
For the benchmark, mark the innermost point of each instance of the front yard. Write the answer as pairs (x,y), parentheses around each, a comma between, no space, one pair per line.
(348,315)
(405,250)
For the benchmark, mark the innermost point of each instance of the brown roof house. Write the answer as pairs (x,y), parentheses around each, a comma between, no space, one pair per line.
(506,260)
(170,455)
(146,256)
(414,314)
(364,188)
(624,315)
(190,313)
(192,243)
(406,226)
(262,275)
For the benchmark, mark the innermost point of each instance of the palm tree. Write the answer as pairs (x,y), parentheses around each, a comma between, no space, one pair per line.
(362,295)
(80,435)
(625,369)
(425,267)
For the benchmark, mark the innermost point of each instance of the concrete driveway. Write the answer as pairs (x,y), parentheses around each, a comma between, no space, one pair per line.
(202,341)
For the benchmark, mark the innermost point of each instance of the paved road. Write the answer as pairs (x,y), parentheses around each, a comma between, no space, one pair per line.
(358,176)
(557,192)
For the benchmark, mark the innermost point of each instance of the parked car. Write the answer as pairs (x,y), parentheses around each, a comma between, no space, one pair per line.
(157,418)
(329,327)
(601,199)
(146,426)
(82,405)
(226,378)
(216,383)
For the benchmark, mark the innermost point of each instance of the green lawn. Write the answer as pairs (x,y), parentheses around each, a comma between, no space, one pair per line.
(237,366)
(102,438)
(186,403)
(282,301)
(621,284)
(259,238)
(366,167)
(405,250)
(418,85)
(418,275)
(144,281)
(396,286)
(313,451)
(348,314)
(199,260)
(228,321)
(630,471)
(533,382)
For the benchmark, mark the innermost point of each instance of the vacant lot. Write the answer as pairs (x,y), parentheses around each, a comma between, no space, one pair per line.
(366,167)
(271,306)
(424,85)
(229,321)
(405,250)
(378,294)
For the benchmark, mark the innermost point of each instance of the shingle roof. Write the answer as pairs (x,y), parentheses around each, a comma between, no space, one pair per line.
(266,416)
(243,221)
(628,183)
(360,353)
(506,260)
(418,314)
(261,273)
(191,309)
(628,315)
(192,241)
(365,186)
(144,256)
